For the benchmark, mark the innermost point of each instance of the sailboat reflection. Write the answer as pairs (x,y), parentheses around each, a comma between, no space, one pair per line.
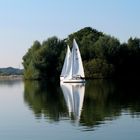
(74,96)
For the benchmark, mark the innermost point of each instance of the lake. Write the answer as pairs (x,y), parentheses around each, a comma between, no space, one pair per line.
(98,109)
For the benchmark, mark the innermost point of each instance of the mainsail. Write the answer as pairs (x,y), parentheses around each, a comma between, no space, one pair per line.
(77,65)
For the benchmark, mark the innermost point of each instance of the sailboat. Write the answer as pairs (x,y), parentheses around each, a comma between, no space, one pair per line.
(74,97)
(74,71)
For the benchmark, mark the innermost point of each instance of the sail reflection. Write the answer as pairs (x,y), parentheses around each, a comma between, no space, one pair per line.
(74,97)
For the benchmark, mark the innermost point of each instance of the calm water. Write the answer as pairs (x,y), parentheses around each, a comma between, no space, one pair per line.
(99,109)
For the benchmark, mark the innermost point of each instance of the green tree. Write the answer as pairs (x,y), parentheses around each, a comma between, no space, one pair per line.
(98,68)
(42,60)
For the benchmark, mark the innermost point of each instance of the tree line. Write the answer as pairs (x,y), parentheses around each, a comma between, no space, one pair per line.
(10,71)
(103,56)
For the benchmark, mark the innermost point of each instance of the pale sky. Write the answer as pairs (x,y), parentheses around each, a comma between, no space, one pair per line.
(24,21)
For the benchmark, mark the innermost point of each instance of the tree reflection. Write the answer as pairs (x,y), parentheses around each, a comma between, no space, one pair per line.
(103,100)
(106,100)
(44,99)
(10,82)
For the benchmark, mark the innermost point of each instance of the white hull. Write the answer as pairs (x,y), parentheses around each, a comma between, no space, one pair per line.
(73,80)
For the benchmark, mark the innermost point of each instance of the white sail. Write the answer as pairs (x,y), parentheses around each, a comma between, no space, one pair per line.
(74,97)
(77,65)
(67,62)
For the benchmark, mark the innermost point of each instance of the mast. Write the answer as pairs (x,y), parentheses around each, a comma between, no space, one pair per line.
(72,61)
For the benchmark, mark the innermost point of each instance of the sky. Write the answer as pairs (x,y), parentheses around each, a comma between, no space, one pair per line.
(24,21)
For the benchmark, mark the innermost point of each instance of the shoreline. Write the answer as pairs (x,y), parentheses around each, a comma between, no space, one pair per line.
(11,77)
